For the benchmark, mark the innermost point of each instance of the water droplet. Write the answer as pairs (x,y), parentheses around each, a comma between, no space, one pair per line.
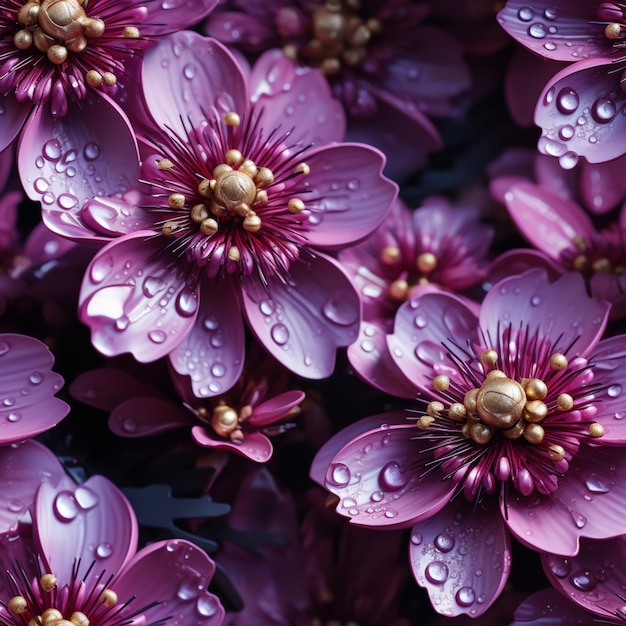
(151,286)
(417,538)
(187,302)
(13,417)
(189,589)
(547,99)
(420,320)
(41,185)
(340,310)
(206,606)
(218,370)
(614,390)
(36,378)
(603,110)
(67,201)
(567,101)
(444,542)
(339,475)
(595,485)
(391,513)
(437,572)
(85,497)
(280,334)
(52,150)
(266,307)
(171,546)
(103,550)
(535,300)
(559,567)
(129,425)
(367,346)
(4,348)
(65,506)
(348,503)
(122,323)
(525,14)
(537,30)
(392,477)
(490,539)
(569,160)
(376,496)
(8,401)
(619,415)
(157,336)
(353,184)
(550,13)
(579,520)
(550,46)
(465,596)
(583,581)
(566,132)
(189,71)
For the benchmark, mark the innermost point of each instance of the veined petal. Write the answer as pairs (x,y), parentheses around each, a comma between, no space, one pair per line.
(255,446)
(167,17)
(144,417)
(550,608)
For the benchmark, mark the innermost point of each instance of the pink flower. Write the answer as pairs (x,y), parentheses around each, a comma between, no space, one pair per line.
(525,416)
(27,389)
(437,246)
(234,208)
(78,560)
(238,420)
(551,608)
(60,56)
(579,108)
(388,68)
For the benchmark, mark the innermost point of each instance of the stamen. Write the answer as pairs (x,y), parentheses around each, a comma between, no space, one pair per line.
(17,605)
(48,582)
(558,362)
(390,255)
(232,119)
(426,262)
(596,430)
(109,598)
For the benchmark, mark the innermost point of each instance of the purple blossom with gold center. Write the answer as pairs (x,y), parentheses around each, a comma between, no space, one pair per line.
(524,418)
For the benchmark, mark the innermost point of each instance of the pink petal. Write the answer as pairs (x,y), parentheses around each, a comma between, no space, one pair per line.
(236,28)
(349,196)
(111,216)
(15,115)
(612,288)
(106,387)
(28,385)
(529,299)
(275,408)
(303,322)
(191,76)
(546,27)
(43,245)
(174,575)
(91,521)
(603,186)
(144,417)
(550,608)
(548,221)
(381,481)
(212,354)
(22,469)
(297,97)
(372,361)
(594,579)
(462,556)
(135,298)
(166,17)
(421,327)
(517,261)
(589,502)
(255,446)
(66,161)
(578,112)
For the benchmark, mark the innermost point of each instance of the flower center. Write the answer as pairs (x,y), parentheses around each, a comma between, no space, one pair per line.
(603,253)
(613,16)
(225,420)
(339,37)
(401,288)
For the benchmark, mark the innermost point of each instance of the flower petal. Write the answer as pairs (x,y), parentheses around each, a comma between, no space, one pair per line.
(602,185)
(303,322)
(590,502)
(421,327)
(551,608)
(66,161)
(188,73)
(275,408)
(531,300)
(144,417)
(135,298)
(27,386)
(14,116)
(255,446)
(174,576)
(90,521)
(548,28)
(462,556)
(22,469)
(380,478)
(578,112)
(212,354)
(298,97)
(166,17)
(548,221)
(349,196)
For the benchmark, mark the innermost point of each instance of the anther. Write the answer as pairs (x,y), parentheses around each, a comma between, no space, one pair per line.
(168,228)
(48,582)
(441,382)
(108,598)
(209,226)
(426,262)
(109,79)
(435,408)
(470,400)
(601,265)
(51,616)
(17,605)
(233,158)
(93,78)
(234,254)
(390,255)
(481,433)
(564,402)
(580,263)
(130,32)
(176,200)
(248,167)
(596,430)
(558,362)
(252,223)
(425,421)
(515,432)
(57,54)
(163,164)
(23,39)
(295,205)
(534,433)
(78,618)
(457,412)
(27,15)
(302,168)
(232,119)
(220,169)
(535,411)
(556,452)
(536,389)
(489,357)
(399,289)
(264,177)
(613,31)
(224,420)
(198,213)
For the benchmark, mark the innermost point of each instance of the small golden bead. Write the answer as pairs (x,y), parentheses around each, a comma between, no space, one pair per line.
(48,582)
(232,119)
(441,382)
(489,357)
(390,255)
(564,402)
(234,254)
(131,32)
(252,223)
(596,430)
(556,452)
(163,164)
(209,226)
(108,598)
(57,54)
(612,31)
(470,400)
(426,262)
(399,289)
(198,213)
(536,389)
(480,433)
(435,408)
(534,433)
(535,411)
(51,616)
(295,205)
(176,200)
(17,605)
(515,432)
(264,177)
(302,168)
(23,39)
(457,412)
(425,422)
(558,362)
(169,228)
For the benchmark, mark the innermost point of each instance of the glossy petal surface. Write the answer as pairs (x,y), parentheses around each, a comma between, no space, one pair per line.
(551,608)
(143,417)
(255,446)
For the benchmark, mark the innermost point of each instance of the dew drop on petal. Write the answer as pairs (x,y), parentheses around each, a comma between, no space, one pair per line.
(157,336)
(85,497)
(267,307)
(14,505)
(218,370)
(551,13)
(189,589)
(465,596)
(579,520)
(603,110)
(103,550)
(280,334)
(65,506)
(339,474)
(151,286)
(392,477)
(537,30)
(595,485)
(417,538)
(567,101)
(560,567)
(367,346)
(340,310)
(420,320)
(437,572)
(376,496)
(52,150)
(614,390)
(444,542)
(189,71)
(569,160)
(187,302)
(525,14)
(583,581)
(206,606)
(36,378)
(13,417)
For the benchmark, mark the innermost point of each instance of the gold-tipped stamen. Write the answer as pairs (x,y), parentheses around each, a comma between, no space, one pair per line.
(234,254)
(558,362)
(441,382)
(596,430)
(481,433)
(424,422)
(535,389)
(390,255)
(232,119)
(399,289)
(165,164)
(131,32)
(435,408)
(457,412)
(108,597)
(564,402)
(426,262)
(17,605)
(176,200)
(613,30)
(489,357)
(302,168)
(78,618)
(48,582)
(535,411)
(534,433)
(556,452)
(295,205)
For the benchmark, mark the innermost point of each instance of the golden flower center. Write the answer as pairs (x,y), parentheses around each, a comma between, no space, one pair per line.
(233,188)
(500,402)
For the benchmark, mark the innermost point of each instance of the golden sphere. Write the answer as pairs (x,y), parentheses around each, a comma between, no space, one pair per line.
(233,188)
(500,402)
(224,420)
(536,389)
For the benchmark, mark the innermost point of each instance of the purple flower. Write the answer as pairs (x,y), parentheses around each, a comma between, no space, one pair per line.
(238,420)
(437,246)
(56,55)
(237,199)
(78,561)
(27,389)
(525,416)
(579,108)
(388,68)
